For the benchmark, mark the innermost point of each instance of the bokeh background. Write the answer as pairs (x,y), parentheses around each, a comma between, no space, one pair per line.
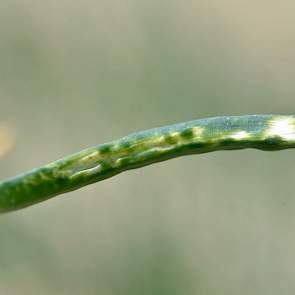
(79,73)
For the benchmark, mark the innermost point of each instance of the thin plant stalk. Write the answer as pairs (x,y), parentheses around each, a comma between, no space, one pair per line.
(264,132)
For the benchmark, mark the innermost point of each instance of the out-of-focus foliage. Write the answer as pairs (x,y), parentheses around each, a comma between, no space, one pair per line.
(78,73)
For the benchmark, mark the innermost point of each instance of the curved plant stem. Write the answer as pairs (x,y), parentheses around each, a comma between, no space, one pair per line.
(264,132)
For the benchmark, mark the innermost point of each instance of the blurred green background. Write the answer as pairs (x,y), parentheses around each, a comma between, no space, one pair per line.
(79,73)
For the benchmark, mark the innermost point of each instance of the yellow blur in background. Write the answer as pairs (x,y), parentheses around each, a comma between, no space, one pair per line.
(7,139)
(79,73)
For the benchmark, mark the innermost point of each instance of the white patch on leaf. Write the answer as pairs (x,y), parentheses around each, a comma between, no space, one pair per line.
(240,135)
(197,131)
(284,128)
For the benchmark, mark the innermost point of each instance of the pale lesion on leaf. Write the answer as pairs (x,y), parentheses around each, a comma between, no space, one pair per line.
(282,127)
